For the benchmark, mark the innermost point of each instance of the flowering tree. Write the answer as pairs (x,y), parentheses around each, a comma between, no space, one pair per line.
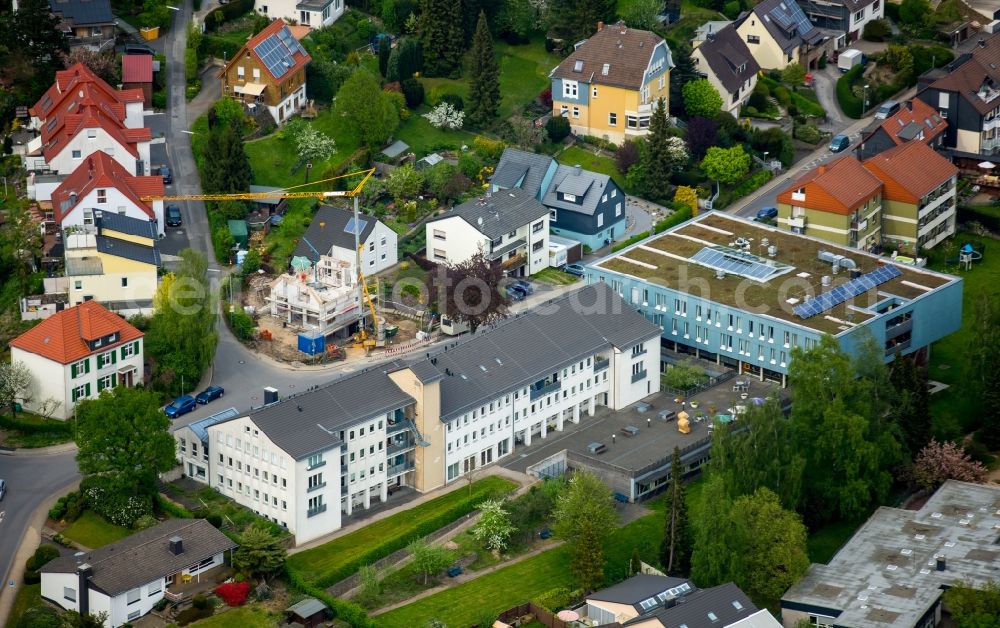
(938,462)
(445,116)
(677,152)
(494,527)
(314,146)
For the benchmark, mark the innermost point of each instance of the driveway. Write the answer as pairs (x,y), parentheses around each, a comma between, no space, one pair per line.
(825,84)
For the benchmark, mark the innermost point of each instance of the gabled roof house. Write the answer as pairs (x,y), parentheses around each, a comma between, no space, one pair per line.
(778,34)
(726,61)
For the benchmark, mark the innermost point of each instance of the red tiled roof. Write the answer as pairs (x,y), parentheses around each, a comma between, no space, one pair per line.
(78,76)
(910,171)
(137,69)
(63,337)
(918,112)
(100,170)
(838,187)
(301,60)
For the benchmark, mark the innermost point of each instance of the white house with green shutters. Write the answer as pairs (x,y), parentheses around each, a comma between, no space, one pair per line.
(75,354)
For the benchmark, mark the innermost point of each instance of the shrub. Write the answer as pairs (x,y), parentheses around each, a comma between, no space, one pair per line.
(751,183)
(554,600)
(626,156)
(190,615)
(413,92)
(876,30)
(470,164)
(233,593)
(174,510)
(200,602)
(808,133)
(783,96)
(32,577)
(160,100)
(215,520)
(38,617)
(758,100)
(557,128)
(454,100)
(849,103)
(488,149)
(145,521)
(546,97)
(42,556)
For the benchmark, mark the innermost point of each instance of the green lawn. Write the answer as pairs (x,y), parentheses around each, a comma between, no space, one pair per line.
(425,139)
(28,431)
(954,412)
(28,596)
(692,16)
(575,155)
(243,617)
(524,73)
(824,543)
(341,557)
(91,530)
(555,277)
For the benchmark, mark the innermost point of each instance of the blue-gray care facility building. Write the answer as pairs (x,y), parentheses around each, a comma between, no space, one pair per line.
(745,294)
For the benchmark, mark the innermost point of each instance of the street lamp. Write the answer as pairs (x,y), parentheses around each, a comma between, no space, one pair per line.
(865,110)
(309,167)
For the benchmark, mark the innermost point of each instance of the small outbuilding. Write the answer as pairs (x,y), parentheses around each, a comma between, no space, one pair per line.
(308,613)
(240,232)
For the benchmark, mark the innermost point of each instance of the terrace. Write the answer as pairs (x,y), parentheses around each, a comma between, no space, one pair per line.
(666,260)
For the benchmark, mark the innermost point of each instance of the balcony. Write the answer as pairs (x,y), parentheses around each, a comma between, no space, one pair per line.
(641,375)
(315,487)
(898,329)
(315,465)
(899,346)
(393,449)
(544,389)
(312,512)
(398,469)
(797,222)
(343,469)
(600,364)
(395,427)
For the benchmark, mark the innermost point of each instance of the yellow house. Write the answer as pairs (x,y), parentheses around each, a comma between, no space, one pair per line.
(115,263)
(778,34)
(609,85)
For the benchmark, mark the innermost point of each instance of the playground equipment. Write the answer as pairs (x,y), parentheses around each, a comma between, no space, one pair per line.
(967,256)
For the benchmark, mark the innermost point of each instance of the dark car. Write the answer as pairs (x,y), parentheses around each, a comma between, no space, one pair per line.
(179,406)
(3,489)
(209,394)
(515,294)
(173,216)
(524,286)
(139,49)
(168,178)
(767,213)
(839,142)
(574,269)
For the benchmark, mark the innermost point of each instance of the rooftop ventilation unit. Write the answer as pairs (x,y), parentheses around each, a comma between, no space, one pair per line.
(833,258)
(827,280)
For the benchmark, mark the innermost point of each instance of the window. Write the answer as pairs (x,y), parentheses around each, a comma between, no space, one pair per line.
(102,195)
(256,74)
(77,155)
(440,255)
(860,15)
(594,92)
(108,381)
(133,596)
(69,594)
(600,220)
(81,391)
(753,39)
(315,460)
(106,359)
(612,119)
(316,505)
(240,72)
(618,209)
(538,226)
(570,89)
(631,121)
(80,368)
(576,112)
(552,215)
(315,482)
(563,110)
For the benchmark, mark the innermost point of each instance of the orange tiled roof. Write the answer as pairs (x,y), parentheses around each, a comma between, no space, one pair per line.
(838,187)
(63,337)
(918,112)
(910,171)
(276,26)
(100,170)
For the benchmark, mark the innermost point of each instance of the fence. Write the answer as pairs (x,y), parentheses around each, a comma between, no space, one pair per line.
(351,582)
(513,616)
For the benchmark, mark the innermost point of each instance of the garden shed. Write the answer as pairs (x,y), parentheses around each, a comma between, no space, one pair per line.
(308,613)
(240,232)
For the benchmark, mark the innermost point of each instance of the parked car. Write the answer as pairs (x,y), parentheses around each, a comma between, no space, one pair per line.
(839,142)
(767,213)
(139,49)
(525,286)
(514,294)
(168,178)
(179,406)
(209,394)
(888,108)
(173,216)
(3,489)
(574,269)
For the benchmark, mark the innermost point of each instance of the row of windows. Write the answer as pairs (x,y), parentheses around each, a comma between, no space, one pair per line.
(247,489)
(108,358)
(246,468)
(361,452)
(364,473)
(256,451)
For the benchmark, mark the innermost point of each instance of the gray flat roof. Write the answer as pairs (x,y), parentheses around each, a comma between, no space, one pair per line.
(886,574)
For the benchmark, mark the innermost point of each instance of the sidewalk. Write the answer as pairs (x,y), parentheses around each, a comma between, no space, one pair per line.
(54,450)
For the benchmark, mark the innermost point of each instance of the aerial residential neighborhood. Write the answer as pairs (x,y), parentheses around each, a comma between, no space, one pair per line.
(574,313)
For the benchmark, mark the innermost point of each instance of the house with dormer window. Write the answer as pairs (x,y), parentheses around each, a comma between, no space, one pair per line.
(75,354)
(724,59)
(609,84)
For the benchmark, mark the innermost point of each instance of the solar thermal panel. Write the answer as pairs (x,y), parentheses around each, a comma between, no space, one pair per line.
(846,291)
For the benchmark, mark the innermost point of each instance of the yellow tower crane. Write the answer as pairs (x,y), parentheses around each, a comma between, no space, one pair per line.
(361,290)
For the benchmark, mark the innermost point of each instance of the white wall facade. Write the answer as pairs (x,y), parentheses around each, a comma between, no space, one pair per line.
(731,102)
(380,250)
(192,454)
(137,294)
(134,112)
(65,162)
(636,373)
(453,240)
(867,14)
(287,107)
(288,10)
(114,202)
(52,380)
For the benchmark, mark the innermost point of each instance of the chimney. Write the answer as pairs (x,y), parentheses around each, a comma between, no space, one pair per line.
(621,26)
(577,169)
(176,545)
(940,563)
(982,42)
(270,395)
(83,574)
(600,26)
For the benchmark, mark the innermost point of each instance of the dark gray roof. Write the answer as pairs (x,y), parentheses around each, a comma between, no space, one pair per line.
(308,422)
(787,23)
(729,58)
(307,607)
(526,348)
(426,372)
(575,180)
(128,250)
(83,12)
(266,188)
(499,213)
(200,427)
(327,230)
(911,131)
(127,225)
(515,164)
(726,602)
(146,556)
(637,588)
(395,149)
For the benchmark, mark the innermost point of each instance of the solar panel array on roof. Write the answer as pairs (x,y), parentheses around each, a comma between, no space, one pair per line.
(739,263)
(352,227)
(277,52)
(791,19)
(846,291)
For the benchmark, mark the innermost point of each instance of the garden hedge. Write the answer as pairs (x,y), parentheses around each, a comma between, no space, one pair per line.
(229,12)
(680,215)
(851,105)
(61,428)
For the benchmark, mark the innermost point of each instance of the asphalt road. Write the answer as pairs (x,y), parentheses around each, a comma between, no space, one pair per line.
(30,481)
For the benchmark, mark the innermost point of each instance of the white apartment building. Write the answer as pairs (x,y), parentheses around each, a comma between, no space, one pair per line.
(314,13)
(311,460)
(75,354)
(508,226)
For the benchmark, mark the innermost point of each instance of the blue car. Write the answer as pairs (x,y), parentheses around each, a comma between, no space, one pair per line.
(767,213)
(514,294)
(574,269)
(839,142)
(209,394)
(524,286)
(179,406)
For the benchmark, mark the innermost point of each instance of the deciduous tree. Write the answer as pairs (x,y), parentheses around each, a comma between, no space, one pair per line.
(15,383)
(675,549)
(974,608)
(793,74)
(912,408)
(643,14)
(687,196)
(106,65)
(584,517)
(445,116)
(712,553)
(938,462)
(484,74)
(404,183)
(260,553)
(363,104)
(469,291)
(700,135)
(726,165)
(314,146)
(626,155)
(428,559)
(701,99)
(494,527)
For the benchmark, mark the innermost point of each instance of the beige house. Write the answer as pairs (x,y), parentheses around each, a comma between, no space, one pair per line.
(778,34)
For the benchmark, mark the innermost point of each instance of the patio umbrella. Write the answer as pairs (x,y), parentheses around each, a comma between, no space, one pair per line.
(988,165)
(758,401)
(568,615)
(301,263)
